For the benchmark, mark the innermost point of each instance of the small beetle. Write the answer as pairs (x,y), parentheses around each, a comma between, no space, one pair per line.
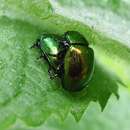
(69,57)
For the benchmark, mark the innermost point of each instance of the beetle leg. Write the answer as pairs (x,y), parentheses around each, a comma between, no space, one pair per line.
(64,43)
(44,56)
(51,69)
(36,44)
(40,57)
(52,75)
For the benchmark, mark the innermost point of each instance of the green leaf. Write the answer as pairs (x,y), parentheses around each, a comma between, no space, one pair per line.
(26,92)
(93,119)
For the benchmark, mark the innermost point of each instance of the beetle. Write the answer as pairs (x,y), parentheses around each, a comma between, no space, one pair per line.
(69,57)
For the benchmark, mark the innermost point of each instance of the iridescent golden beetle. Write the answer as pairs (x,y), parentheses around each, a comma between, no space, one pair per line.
(69,57)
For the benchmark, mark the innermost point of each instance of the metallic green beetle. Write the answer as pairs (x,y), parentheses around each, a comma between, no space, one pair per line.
(69,57)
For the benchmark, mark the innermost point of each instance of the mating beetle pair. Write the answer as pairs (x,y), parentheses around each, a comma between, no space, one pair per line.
(69,57)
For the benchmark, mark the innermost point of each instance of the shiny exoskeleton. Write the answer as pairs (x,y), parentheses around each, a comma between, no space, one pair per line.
(69,57)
